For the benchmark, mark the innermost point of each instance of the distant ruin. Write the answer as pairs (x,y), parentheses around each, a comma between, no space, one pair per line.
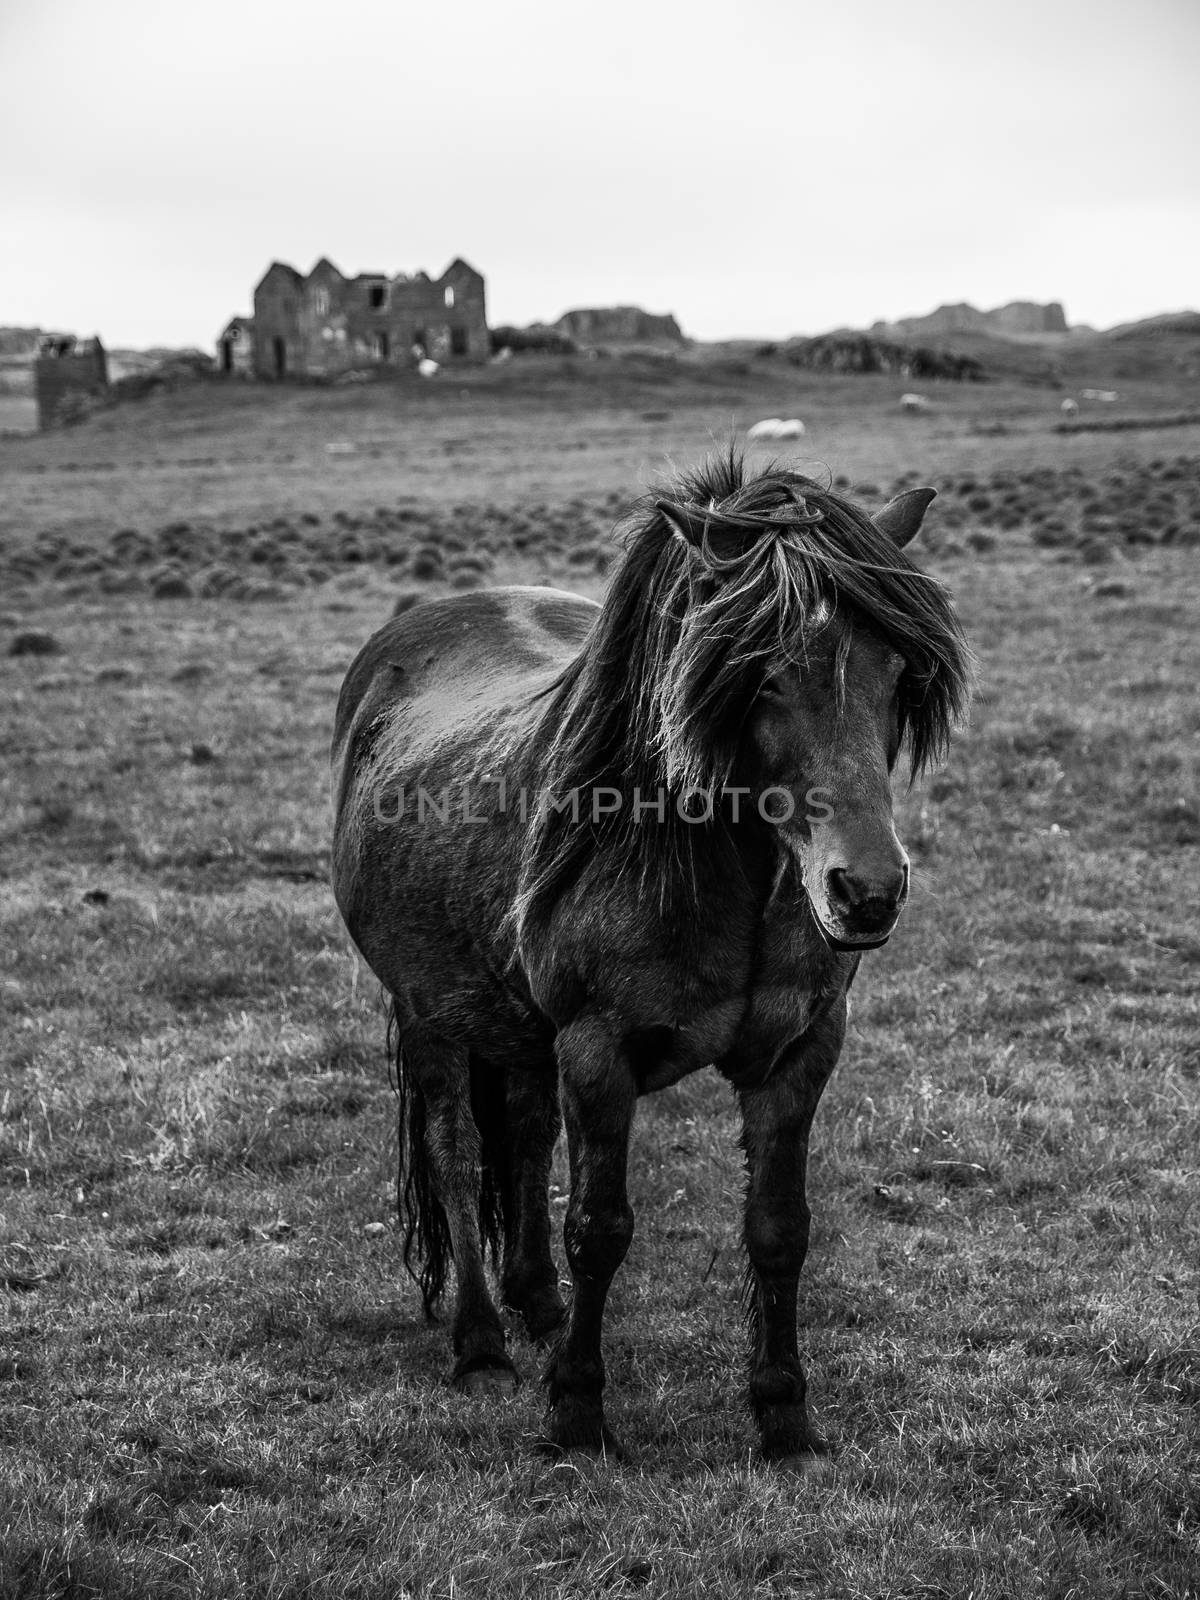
(70,377)
(325,323)
(620,325)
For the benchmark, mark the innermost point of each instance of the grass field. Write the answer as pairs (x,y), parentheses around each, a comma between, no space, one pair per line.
(214,1377)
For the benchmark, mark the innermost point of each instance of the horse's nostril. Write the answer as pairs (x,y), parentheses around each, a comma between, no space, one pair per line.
(853,893)
(838,882)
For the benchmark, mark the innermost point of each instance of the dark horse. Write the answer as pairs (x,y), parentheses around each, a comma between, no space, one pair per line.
(590,849)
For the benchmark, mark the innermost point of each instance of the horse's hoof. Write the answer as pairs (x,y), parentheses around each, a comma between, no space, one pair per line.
(562,1442)
(486,1383)
(813,1466)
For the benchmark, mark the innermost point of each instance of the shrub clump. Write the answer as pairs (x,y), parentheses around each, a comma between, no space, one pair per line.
(535,340)
(427,564)
(171,586)
(31,642)
(466,578)
(218,580)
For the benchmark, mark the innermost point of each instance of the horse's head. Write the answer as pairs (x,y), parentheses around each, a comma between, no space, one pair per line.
(762,634)
(822,739)
(837,650)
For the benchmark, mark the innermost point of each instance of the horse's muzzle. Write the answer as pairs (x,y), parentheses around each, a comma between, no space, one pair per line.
(849,945)
(870,939)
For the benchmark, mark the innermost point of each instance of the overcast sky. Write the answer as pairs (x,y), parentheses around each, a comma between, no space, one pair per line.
(758,167)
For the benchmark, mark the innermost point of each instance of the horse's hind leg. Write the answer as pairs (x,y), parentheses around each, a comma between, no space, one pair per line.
(440,1073)
(529,1278)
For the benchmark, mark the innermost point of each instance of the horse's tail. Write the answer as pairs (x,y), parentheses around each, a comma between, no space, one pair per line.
(427,1246)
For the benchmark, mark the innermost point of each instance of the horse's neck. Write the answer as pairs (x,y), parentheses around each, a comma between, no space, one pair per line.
(712,873)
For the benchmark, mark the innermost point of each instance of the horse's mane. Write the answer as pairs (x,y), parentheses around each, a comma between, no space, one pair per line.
(726,575)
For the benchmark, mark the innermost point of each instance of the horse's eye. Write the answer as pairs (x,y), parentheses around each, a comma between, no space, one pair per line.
(772,690)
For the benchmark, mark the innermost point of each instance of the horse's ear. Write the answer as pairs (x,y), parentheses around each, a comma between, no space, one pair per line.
(901,518)
(688,522)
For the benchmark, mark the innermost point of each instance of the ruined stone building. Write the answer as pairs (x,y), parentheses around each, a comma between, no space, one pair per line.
(326,323)
(69,377)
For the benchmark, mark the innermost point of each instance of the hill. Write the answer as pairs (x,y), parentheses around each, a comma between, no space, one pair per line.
(1168,325)
(1157,348)
(1017,319)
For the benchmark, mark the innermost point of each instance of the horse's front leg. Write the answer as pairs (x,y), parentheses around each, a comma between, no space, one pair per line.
(598,1099)
(776,1119)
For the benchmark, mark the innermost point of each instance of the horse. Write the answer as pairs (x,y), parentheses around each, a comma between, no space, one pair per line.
(589,849)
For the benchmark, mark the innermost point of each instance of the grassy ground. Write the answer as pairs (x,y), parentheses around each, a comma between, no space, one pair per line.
(241,454)
(214,1379)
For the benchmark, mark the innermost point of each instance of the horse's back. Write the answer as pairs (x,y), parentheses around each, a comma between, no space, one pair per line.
(461,658)
(444,693)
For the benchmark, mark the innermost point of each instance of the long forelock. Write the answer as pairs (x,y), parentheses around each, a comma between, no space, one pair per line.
(721,623)
(772,559)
